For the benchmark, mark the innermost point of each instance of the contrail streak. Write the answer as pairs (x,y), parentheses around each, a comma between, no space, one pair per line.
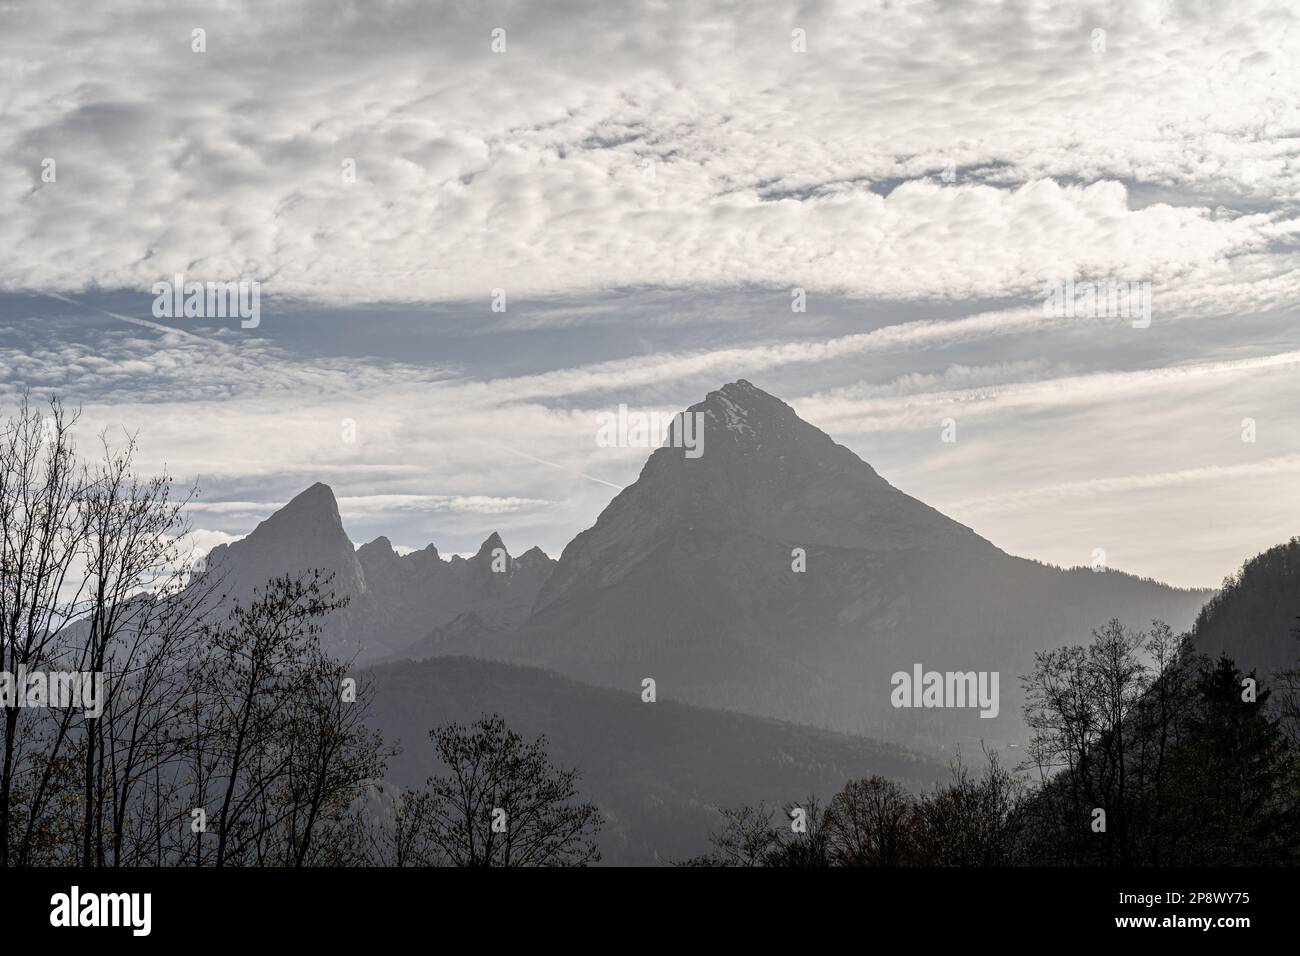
(572,471)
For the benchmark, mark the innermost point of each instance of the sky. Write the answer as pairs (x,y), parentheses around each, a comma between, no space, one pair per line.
(643,187)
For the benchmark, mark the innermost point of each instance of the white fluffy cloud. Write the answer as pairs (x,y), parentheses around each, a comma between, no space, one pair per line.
(530,169)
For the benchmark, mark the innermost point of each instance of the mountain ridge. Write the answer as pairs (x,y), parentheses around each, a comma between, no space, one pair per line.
(775,573)
(659,772)
(393,599)
(779,574)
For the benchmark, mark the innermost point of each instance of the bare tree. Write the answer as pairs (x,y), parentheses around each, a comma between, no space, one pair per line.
(971,821)
(330,752)
(504,804)
(42,535)
(805,841)
(277,751)
(1081,707)
(1287,684)
(867,823)
(399,833)
(1161,712)
(135,634)
(242,717)
(748,836)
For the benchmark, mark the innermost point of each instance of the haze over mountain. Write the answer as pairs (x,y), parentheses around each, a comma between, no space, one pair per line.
(687,577)
(777,574)
(658,771)
(393,599)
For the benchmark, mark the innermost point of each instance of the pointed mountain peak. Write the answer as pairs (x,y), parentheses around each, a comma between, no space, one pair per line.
(380,544)
(741,387)
(424,562)
(317,492)
(746,411)
(307,533)
(759,472)
(311,512)
(533,556)
(745,393)
(740,420)
(377,554)
(493,541)
(316,501)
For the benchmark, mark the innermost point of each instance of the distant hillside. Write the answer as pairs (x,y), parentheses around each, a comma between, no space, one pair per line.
(1255,618)
(658,771)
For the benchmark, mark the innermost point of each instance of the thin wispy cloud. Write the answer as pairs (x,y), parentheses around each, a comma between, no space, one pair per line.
(850,410)
(1032,498)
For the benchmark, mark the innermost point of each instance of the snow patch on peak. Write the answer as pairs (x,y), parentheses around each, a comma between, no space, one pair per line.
(733,416)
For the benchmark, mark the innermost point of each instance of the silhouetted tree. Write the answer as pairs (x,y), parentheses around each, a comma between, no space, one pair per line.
(43,531)
(748,836)
(1288,682)
(504,804)
(241,717)
(1158,726)
(971,821)
(867,824)
(399,832)
(1187,769)
(1235,778)
(91,575)
(278,756)
(805,841)
(1082,708)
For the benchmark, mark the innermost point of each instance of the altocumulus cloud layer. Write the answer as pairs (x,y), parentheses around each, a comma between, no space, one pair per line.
(647,182)
(531,169)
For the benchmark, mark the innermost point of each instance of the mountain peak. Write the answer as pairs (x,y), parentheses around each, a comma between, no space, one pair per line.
(317,500)
(744,396)
(534,557)
(318,490)
(377,557)
(493,541)
(745,411)
(380,543)
(762,472)
(794,568)
(313,511)
(307,533)
(742,386)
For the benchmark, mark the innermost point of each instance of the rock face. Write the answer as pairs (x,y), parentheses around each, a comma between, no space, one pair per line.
(494,603)
(305,533)
(393,600)
(689,577)
(765,473)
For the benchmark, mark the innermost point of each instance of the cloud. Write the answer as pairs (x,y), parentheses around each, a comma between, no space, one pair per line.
(859,408)
(1039,498)
(643,145)
(647,183)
